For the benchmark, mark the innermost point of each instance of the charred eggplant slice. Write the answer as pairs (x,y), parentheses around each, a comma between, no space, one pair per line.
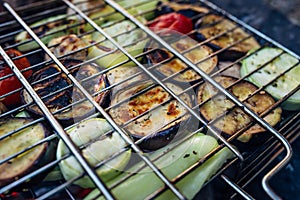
(160,124)
(236,119)
(200,55)
(27,161)
(56,86)
(68,44)
(212,25)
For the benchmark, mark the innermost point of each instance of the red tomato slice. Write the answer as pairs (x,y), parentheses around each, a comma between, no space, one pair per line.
(173,22)
(12,83)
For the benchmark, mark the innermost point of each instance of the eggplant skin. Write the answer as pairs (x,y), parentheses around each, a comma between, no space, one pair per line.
(212,25)
(54,80)
(201,55)
(156,127)
(237,119)
(28,161)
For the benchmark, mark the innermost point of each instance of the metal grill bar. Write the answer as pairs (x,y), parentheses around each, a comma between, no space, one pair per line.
(45,110)
(233,185)
(128,140)
(234,99)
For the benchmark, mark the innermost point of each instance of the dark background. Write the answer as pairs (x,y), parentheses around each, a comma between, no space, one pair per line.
(280,20)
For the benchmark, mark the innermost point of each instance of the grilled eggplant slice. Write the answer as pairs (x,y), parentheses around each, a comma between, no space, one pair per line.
(118,75)
(236,119)
(27,161)
(69,44)
(201,54)
(47,29)
(161,124)
(3,108)
(100,147)
(283,85)
(212,25)
(54,81)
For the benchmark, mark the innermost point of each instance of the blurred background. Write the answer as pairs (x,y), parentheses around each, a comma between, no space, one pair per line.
(279,19)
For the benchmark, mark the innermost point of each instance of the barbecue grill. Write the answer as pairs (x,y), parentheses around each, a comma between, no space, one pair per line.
(264,160)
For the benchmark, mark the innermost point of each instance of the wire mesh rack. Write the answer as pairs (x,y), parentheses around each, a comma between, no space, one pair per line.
(72,100)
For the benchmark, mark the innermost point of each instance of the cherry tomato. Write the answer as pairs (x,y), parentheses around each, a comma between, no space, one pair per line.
(12,83)
(172,22)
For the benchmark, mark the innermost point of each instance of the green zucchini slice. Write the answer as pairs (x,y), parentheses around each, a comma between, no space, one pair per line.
(284,84)
(100,149)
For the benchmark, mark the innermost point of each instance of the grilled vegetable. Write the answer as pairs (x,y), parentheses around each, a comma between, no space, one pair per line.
(100,149)
(233,70)
(47,29)
(12,83)
(212,25)
(28,161)
(236,119)
(198,54)
(107,15)
(172,163)
(54,80)
(283,85)
(173,22)
(188,10)
(159,125)
(119,74)
(3,109)
(64,45)
(128,36)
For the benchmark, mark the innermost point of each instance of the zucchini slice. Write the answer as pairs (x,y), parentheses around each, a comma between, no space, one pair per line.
(175,65)
(27,161)
(70,94)
(172,163)
(100,149)
(52,27)
(161,124)
(236,119)
(212,25)
(283,85)
(126,35)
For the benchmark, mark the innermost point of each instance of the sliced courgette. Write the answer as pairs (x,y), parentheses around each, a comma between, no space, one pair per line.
(100,149)
(129,37)
(27,161)
(173,163)
(236,119)
(201,54)
(47,29)
(161,124)
(212,25)
(284,84)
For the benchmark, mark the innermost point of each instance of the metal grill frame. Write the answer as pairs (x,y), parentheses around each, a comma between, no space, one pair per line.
(75,151)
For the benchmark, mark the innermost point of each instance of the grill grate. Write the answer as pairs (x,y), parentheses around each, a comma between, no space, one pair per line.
(253,162)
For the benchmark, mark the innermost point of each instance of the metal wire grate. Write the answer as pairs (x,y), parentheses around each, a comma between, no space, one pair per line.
(258,160)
